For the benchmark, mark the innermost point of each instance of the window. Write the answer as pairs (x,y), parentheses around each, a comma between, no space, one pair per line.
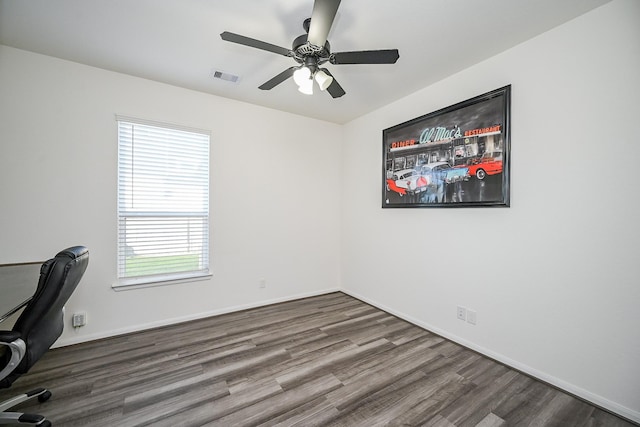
(163,202)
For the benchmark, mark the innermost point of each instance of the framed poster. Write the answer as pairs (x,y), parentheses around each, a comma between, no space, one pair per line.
(454,157)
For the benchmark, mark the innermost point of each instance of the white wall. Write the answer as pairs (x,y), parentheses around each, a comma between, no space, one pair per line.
(553,278)
(275,203)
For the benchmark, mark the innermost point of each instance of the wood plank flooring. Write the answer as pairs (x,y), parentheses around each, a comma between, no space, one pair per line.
(323,361)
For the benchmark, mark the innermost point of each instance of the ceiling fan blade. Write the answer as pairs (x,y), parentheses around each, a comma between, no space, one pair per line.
(387,56)
(324,12)
(278,79)
(334,89)
(247,41)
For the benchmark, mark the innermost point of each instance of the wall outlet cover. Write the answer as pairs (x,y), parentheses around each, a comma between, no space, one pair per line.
(472,316)
(79,319)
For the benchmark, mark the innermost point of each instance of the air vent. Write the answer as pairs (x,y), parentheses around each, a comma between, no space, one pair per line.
(217,74)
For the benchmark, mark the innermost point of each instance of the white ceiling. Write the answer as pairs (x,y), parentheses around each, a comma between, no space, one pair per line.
(178,42)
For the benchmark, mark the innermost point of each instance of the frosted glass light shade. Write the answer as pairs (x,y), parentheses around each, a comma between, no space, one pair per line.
(323,79)
(306,87)
(301,76)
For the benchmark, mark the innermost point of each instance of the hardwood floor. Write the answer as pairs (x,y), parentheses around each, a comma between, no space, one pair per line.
(323,361)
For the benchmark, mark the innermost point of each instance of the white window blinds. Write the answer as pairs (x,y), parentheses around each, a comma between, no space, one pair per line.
(163,203)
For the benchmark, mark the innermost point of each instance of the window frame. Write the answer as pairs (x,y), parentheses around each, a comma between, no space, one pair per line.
(122,214)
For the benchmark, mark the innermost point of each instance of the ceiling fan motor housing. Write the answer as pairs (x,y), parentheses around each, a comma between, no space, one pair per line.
(303,51)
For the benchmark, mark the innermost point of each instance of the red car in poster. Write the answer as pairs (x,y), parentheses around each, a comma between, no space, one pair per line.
(489,164)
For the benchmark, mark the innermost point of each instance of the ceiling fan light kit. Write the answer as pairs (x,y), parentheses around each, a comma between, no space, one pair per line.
(304,78)
(301,75)
(323,79)
(311,50)
(306,88)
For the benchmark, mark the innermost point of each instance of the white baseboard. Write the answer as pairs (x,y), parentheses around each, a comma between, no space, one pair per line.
(66,341)
(542,376)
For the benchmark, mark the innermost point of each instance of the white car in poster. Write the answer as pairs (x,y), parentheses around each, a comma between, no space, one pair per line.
(407,181)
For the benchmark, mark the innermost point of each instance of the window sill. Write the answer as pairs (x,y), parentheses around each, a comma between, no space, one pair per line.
(131,284)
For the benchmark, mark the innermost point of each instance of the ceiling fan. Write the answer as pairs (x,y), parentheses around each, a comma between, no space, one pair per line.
(312,50)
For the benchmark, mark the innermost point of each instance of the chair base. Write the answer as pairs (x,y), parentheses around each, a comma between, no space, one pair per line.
(24,419)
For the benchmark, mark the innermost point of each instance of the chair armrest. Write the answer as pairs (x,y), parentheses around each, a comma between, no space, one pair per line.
(9,336)
(12,341)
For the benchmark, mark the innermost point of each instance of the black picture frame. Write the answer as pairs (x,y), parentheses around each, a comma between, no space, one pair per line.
(424,160)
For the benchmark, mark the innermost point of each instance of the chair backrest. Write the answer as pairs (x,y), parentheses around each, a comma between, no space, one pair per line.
(42,321)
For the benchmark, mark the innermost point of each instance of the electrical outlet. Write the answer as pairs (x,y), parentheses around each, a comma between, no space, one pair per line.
(462,313)
(79,319)
(471,316)
(263,283)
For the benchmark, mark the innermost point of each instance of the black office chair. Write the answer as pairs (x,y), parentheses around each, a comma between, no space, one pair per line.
(37,328)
